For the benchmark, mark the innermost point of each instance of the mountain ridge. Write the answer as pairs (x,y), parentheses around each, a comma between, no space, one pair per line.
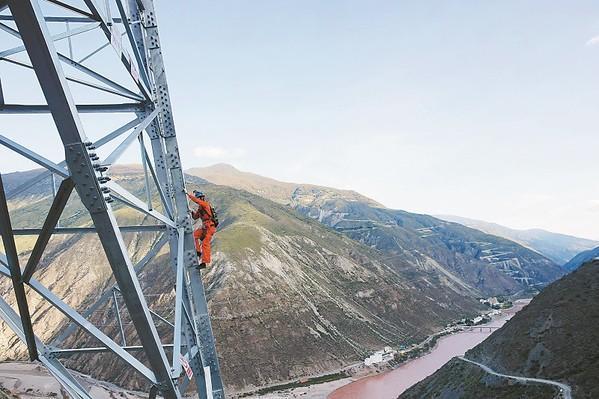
(556,246)
(487,264)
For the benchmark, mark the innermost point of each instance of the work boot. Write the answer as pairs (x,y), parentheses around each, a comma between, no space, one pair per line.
(202,266)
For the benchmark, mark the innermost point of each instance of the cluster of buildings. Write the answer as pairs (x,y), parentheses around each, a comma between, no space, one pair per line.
(495,303)
(381,356)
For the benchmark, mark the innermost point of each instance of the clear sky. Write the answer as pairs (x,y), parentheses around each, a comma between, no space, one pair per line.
(483,109)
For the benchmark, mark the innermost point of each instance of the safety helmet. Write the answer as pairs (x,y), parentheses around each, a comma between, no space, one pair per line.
(198,194)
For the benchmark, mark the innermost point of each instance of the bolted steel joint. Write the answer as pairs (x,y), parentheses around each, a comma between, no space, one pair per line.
(190,258)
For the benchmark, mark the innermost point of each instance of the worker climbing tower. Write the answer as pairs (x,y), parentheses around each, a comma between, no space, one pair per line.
(104,57)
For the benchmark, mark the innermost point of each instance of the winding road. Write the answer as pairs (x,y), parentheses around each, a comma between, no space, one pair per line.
(565,389)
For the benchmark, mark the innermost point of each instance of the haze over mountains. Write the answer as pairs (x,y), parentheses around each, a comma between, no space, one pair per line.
(560,248)
(481,263)
(305,279)
(554,338)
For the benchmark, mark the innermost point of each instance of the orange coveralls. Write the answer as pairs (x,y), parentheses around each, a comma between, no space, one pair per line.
(205,233)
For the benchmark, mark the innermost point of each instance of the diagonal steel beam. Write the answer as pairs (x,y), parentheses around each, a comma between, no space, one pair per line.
(124,59)
(115,87)
(134,202)
(87,326)
(68,382)
(130,36)
(60,201)
(106,139)
(38,159)
(8,241)
(106,295)
(166,203)
(118,151)
(60,36)
(78,80)
(30,22)
(71,8)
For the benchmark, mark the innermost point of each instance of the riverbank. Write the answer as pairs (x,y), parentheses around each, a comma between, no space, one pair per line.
(391,384)
(368,382)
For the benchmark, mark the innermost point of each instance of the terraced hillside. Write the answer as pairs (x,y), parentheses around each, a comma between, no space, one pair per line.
(289,297)
(481,263)
(560,248)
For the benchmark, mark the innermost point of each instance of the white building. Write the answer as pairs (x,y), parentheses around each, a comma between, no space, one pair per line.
(380,356)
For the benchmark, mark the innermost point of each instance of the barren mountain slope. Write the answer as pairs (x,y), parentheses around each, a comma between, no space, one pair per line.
(289,297)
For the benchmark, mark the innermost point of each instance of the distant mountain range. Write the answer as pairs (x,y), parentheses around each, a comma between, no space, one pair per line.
(581,258)
(554,337)
(560,248)
(482,264)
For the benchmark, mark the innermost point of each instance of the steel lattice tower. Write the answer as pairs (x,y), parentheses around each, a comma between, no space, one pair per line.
(130,27)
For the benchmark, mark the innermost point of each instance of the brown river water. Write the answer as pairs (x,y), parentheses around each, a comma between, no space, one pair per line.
(390,384)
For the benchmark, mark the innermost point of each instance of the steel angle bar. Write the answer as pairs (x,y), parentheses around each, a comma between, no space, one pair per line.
(118,151)
(108,293)
(124,58)
(135,203)
(144,163)
(136,52)
(8,241)
(99,143)
(61,18)
(16,109)
(87,326)
(152,312)
(77,351)
(10,30)
(165,202)
(178,304)
(116,133)
(60,36)
(56,369)
(38,159)
(90,230)
(71,8)
(96,51)
(118,317)
(56,209)
(100,77)
(80,81)
(117,88)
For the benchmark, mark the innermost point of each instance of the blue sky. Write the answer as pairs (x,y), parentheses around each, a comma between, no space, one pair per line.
(484,109)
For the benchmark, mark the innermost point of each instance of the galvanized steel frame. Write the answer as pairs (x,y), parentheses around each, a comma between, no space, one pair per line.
(193,337)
